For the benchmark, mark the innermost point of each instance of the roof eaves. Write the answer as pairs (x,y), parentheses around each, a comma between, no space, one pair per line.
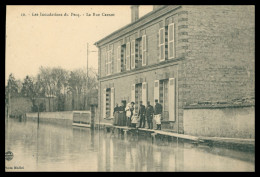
(124,27)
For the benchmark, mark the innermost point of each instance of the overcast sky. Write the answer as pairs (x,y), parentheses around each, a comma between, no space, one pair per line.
(34,41)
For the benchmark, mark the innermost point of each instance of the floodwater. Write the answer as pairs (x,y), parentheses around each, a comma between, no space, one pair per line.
(49,147)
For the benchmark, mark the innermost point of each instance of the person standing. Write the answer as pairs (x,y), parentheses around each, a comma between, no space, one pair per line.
(132,110)
(141,114)
(158,114)
(149,115)
(121,114)
(134,120)
(128,114)
(116,112)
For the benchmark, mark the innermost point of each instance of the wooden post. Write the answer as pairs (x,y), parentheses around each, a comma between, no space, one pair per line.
(38,115)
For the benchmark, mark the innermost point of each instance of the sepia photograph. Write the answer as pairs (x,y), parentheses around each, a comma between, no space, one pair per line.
(130,88)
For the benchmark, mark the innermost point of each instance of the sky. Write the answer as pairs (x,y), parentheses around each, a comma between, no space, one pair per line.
(33,40)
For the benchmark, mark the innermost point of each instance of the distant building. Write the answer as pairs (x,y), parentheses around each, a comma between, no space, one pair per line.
(191,58)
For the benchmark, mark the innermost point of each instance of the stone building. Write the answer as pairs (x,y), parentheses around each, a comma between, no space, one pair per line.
(197,60)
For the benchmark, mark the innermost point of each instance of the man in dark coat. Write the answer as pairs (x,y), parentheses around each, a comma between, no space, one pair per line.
(116,110)
(141,114)
(158,114)
(121,114)
(149,115)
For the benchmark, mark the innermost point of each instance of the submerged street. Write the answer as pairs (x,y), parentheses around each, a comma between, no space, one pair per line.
(50,147)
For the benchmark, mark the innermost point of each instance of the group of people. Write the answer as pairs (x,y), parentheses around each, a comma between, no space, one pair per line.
(125,115)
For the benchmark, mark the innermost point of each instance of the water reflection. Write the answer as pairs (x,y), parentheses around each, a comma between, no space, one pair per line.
(66,148)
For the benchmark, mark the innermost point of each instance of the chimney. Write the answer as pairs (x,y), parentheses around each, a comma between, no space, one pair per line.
(134,13)
(156,7)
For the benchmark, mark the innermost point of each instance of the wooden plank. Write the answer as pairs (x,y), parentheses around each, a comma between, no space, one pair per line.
(81,125)
(189,137)
(145,129)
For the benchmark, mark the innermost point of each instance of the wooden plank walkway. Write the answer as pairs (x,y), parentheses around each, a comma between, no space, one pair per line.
(229,140)
(250,142)
(81,125)
(182,136)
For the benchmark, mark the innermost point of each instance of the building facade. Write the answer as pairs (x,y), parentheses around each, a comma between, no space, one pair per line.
(187,57)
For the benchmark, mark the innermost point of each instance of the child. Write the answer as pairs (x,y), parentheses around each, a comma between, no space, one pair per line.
(134,120)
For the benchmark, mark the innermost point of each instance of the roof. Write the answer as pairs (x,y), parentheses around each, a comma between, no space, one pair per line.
(129,25)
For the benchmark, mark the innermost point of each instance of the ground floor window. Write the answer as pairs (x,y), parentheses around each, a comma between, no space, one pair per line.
(165,92)
(108,102)
(138,96)
(139,93)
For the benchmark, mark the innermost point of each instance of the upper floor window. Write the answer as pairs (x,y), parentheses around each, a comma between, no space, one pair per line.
(167,42)
(133,54)
(118,58)
(128,56)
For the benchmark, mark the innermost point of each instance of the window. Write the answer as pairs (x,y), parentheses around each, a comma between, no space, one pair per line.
(171,42)
(167,42)
(161,44)
(119,59)
(108,102)
(164,91)
(138,96)
(144,50)
(123,57)
(139,93)
(128,56)
(132,54)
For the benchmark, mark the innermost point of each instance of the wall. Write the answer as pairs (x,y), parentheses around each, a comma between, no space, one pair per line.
(220,58)
(151,30)
(54,115)
(122,86)
(224,122)
(20,105)
(60,118)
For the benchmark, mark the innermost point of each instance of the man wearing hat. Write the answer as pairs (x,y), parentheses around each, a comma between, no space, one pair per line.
(158,114)
(141,114)
(149,115)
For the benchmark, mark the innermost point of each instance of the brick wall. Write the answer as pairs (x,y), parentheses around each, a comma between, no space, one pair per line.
(151,31)
(220,56)
(225,122)
(122,86)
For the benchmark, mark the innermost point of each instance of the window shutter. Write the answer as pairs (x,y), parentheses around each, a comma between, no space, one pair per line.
(104,103)
(156,90)
(144,49)
(105,56)
(112,101)
(162,44)
(171,41)
(119,59)
(133,93)
(112,59)
(172,99)
(128,56)
(144,93)
(132,54)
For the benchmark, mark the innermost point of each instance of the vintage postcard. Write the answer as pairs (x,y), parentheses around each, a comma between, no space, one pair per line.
(130,88)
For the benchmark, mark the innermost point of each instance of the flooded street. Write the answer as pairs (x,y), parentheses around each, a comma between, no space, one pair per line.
(50,147)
